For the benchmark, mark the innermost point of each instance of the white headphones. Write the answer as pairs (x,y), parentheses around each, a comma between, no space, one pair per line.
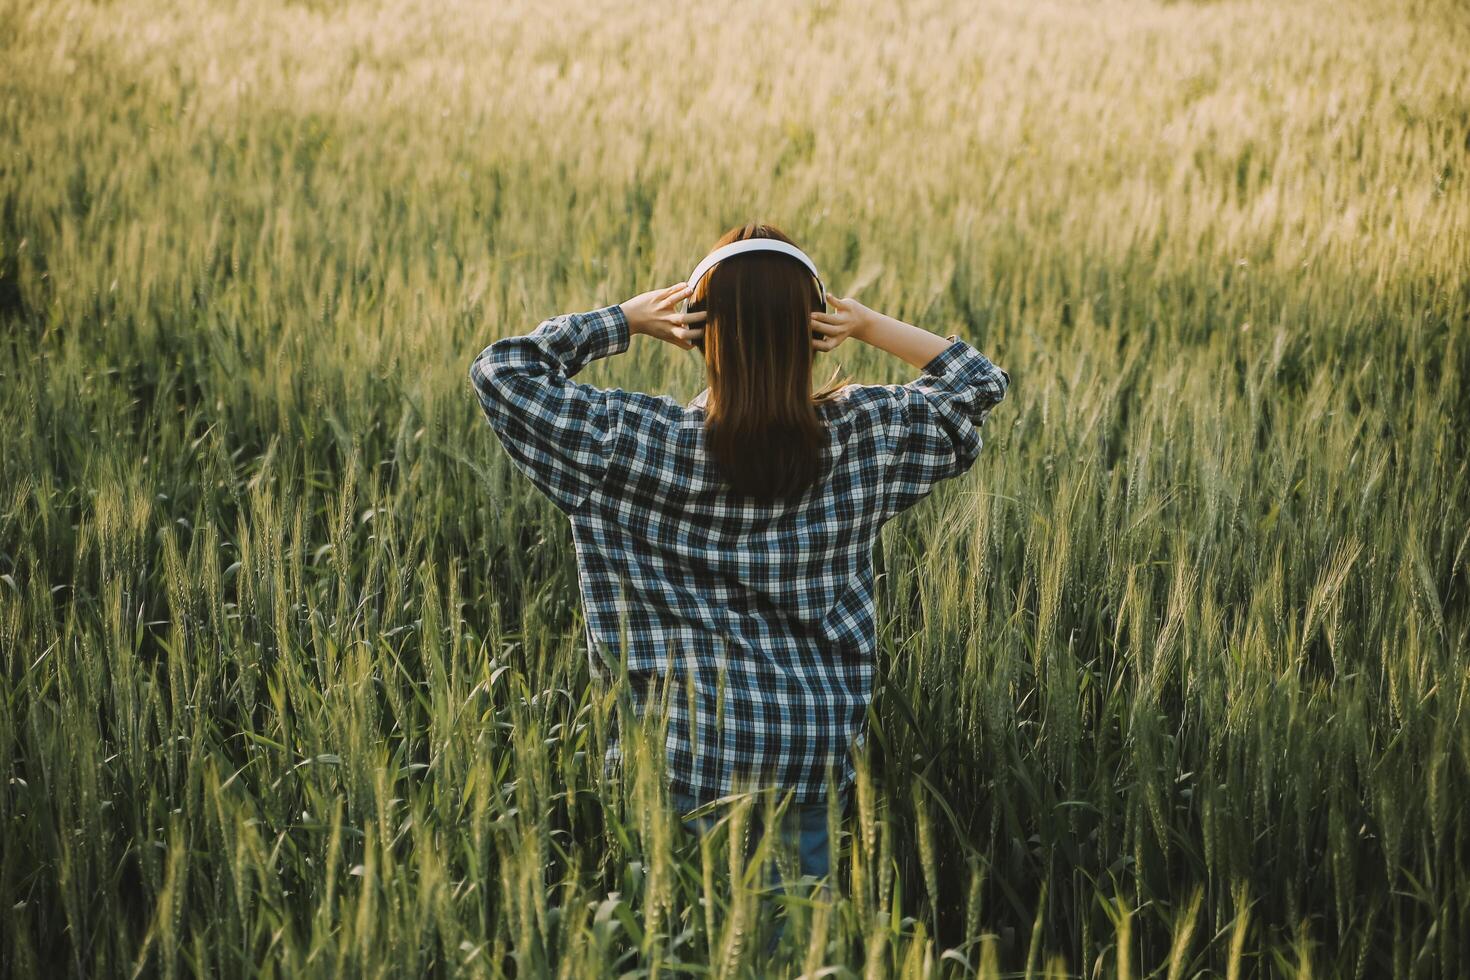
(752,245)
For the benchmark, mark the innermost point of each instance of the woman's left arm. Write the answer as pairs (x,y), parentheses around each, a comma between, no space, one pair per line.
(561,433)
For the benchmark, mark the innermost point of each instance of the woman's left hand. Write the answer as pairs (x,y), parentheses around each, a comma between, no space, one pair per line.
(656,314)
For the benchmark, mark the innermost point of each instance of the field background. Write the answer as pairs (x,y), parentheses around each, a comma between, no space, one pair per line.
(1175,678)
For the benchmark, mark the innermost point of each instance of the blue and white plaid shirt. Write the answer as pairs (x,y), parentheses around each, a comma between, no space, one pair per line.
(758,616)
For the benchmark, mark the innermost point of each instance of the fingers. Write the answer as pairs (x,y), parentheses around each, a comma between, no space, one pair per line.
(672,296)
(826,343)
(691,317)
(821,317)
(830,329)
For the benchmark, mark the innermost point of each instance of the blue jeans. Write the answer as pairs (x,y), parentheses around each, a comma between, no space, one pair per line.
(805,822)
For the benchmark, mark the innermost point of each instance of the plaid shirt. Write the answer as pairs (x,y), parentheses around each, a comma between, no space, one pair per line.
(758,616)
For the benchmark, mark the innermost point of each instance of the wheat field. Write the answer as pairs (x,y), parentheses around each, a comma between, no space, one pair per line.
(1174,682)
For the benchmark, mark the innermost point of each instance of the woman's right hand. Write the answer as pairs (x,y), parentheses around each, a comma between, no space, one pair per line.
(848,318)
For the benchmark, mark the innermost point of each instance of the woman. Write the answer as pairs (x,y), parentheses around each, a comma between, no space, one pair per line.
(725,546)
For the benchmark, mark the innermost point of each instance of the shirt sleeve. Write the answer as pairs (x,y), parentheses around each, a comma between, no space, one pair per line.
(559,433)
(935,421)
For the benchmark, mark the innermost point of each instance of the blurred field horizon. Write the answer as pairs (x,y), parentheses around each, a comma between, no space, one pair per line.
(1173,682)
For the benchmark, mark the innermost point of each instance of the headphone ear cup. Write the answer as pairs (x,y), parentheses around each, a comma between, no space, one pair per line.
(698,341)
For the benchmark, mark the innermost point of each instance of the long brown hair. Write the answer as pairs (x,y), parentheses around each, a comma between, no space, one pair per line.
(761,424)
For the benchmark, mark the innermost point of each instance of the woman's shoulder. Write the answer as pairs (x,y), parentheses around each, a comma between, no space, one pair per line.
(650,409)
(857,399)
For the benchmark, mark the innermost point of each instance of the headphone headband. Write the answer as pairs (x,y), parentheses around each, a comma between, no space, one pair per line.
(755,245)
